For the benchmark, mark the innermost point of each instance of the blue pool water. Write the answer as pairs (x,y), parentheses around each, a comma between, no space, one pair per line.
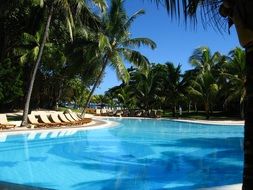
(135,155)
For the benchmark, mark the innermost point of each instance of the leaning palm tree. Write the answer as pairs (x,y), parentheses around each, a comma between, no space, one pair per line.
(240,13)
(66,7)
(115,42)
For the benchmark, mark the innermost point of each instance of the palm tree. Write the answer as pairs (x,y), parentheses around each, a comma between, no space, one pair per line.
(239,13)
(126,97)
(144,86)
(65,5)
(205,88)
(173,85)
(203,60)
(235,77)
(115,42)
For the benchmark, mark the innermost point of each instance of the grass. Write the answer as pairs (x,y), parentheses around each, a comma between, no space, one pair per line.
(64,109)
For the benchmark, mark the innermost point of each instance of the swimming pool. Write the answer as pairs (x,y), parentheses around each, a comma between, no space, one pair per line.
(136,154)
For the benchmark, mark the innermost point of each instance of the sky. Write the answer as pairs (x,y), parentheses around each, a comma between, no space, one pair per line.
(175,42)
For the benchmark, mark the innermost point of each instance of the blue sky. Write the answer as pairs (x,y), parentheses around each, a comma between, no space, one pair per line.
(175,42)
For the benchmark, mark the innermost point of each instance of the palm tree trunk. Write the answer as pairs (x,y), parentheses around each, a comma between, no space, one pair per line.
(195,108)
(105,60)
(29,93)
(242,107)
(207,108)
(174,110)
(189,106)
(248,129)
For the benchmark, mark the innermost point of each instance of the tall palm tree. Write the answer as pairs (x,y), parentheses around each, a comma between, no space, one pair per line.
(66,6)
(115,42)
(205,88)
(174,85)
(239,13)
(144,86)
(235,76)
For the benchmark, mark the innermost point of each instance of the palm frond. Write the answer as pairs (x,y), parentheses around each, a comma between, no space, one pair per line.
(195,92)
(27,39)
(101,4)
(118,64)
(70,28)
(137,42)
(133,17)
(103,42)
(135,57)
(207,11)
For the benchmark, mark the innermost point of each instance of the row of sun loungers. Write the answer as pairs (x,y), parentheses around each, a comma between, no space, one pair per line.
(57,120)
(44,120)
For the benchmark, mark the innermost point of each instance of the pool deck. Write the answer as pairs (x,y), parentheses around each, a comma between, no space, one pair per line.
(226,187)
(212,122)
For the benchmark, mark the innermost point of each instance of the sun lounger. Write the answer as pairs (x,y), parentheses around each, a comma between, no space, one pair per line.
(125,113)
(55,119)
(4,124)
(63,118)
(118,113)
(34,121)
(138,113)
(98,112)
(44,119)
(81,120)
(68,116)
(159,113)
(152,113)
(75,116)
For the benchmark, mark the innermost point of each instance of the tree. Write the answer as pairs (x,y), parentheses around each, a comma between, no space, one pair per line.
(204,85)
(203,60)
(115,42)
(174,85)
(235,77)
(144,87)
(238,13)
(65,5)
(205,88)
(11,84)
(126,97)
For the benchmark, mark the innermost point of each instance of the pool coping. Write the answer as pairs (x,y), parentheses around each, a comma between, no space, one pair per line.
(204,122)
(212,122)
(225,187)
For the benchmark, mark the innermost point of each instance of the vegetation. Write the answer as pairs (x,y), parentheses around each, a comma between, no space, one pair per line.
(114,43)
(209,86)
